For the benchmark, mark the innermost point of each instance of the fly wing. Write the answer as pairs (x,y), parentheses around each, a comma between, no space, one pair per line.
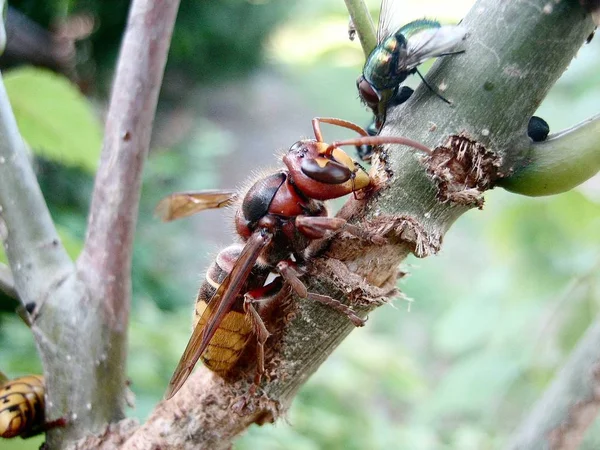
(219,305)
(389,19)
(431,42)
(184,204)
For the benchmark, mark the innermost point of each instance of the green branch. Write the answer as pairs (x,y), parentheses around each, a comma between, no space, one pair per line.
(559,164)
(32,245)
(30,239)
(363,23)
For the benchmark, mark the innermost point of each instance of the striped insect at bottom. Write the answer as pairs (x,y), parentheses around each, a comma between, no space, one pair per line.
(22,406)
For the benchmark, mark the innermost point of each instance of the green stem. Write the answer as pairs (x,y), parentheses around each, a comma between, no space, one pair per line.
(560,163)
(35,254)
(359,13)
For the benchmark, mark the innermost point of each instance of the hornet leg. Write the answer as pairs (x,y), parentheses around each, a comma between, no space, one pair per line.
(289,274)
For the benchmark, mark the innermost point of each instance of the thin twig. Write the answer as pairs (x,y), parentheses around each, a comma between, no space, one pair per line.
(83,328)
(106,257)
(557,165)
(36,256)
(363,23)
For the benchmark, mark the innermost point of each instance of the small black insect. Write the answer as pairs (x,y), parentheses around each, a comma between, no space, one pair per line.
(538,129)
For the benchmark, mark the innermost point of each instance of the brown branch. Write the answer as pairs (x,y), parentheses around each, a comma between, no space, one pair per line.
(82,328)
(199,416)
(106,258)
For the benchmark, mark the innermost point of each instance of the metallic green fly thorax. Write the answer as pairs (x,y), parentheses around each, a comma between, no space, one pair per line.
(382,67)
(399,53)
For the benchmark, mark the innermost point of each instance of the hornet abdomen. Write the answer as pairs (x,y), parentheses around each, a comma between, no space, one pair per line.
(21,406)
(235,330)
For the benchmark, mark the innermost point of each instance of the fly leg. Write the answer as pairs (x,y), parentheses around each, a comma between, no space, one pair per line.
(437,94)
(292,277)
(458,52)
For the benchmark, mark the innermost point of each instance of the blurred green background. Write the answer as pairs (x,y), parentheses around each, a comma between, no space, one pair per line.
(515,286)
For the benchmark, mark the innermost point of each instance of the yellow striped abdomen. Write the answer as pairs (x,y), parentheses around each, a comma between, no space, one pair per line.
(229,341)
(235,330)
(21,406)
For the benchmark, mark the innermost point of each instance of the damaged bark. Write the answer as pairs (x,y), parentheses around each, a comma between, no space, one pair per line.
(463,169)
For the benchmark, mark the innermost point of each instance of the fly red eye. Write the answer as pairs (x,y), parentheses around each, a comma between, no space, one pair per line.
(367,93)
(331,173)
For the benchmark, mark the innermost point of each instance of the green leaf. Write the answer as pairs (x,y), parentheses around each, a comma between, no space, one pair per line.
(54,118)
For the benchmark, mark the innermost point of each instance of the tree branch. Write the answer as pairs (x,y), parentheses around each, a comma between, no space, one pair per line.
(363,23)
(512,53)
(37,258)
(39,262)
(106,258)
(198,417)
(81,320)
(82,328)
(570,405)
(559,164)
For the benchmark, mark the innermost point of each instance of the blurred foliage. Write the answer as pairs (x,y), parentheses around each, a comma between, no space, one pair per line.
(212,38)
(494,315)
